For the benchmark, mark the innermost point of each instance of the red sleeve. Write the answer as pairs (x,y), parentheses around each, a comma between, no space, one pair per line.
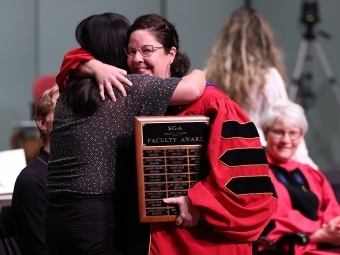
(238,197)
(330,207)
(71,61)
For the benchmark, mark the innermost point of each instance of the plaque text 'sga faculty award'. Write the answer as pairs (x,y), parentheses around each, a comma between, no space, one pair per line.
(171,158)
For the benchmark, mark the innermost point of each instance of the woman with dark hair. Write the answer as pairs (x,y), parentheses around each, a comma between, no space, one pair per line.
(232,218)
(92,145)
(165,33)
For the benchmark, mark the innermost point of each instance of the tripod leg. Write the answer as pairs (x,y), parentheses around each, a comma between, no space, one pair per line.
(292,93)
(324,61)
(328,70)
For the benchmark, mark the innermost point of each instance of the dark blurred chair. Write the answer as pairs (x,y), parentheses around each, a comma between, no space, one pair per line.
(265,243)
(26,135)
(7,232)
(284,246)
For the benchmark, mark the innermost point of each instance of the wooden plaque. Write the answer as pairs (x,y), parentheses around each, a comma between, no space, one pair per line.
(170,153)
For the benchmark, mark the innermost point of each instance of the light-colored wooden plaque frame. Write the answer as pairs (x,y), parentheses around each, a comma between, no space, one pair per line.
(158,141)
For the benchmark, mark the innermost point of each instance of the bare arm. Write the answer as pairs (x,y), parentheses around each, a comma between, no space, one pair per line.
(106,76)
(189,89)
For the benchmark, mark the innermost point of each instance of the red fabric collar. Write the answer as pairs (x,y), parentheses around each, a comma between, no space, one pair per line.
(289,165)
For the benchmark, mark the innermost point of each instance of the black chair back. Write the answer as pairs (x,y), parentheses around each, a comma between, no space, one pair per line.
(7,232)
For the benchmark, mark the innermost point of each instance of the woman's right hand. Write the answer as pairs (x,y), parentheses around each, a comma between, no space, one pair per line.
(106,77)
(188,214)
(328,233)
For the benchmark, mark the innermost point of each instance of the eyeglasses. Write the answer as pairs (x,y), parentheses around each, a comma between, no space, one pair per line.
(279,134)
(145,50)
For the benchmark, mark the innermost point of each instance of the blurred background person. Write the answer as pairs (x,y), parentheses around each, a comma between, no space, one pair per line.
(29,195)
(247,65)
(306,200)
(26,134)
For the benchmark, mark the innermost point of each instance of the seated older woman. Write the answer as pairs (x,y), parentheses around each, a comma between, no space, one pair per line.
(306,200)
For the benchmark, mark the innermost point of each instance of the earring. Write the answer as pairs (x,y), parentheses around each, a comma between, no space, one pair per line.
(44,131)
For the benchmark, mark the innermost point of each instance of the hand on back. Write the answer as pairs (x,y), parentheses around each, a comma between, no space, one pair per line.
(106,77)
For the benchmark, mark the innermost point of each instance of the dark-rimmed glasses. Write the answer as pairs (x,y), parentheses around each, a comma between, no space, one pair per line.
(145,50)
(279,134)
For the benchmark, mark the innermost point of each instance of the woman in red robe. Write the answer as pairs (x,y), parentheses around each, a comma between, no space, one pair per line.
(306,200)
(237,199)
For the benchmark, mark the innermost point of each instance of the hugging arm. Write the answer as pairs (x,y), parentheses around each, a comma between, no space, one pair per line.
(189,88)
(81,63)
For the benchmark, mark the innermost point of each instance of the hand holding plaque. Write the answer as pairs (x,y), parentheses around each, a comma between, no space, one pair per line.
(170,153)
(188,214)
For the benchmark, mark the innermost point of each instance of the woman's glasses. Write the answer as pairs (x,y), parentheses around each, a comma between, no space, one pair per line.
(145,50)
(279,134)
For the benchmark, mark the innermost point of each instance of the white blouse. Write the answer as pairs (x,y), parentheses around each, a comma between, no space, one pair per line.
(274,89)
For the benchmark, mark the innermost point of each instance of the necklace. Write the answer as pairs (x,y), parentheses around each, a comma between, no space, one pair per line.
(42,161)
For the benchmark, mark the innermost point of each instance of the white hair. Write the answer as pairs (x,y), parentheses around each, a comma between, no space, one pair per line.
(287,111)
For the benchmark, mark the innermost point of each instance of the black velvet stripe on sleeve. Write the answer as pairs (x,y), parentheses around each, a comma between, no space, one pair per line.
(244,157)
(234,129)
(245,185)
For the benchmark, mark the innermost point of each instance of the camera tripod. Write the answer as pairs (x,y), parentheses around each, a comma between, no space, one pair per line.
(303,65)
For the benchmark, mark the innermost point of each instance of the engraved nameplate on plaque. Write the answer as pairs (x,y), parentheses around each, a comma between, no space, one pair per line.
(171,158)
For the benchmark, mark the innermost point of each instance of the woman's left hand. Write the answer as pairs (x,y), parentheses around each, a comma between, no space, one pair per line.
(188,214)
(106,77)
(333,225)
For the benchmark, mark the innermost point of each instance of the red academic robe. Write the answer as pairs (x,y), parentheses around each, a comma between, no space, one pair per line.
(237,199)
(289,220)
(234,213)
